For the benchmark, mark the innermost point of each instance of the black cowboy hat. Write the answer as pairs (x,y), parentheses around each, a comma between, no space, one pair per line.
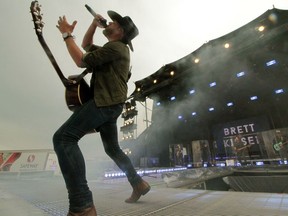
(130,29)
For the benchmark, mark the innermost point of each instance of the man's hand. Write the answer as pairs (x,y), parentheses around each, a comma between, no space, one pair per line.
(98,21)
(74,51)
(64,26)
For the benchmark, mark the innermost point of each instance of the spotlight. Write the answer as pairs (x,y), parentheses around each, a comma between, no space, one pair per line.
(273,18)
(129,110)
(252,98)
(230,104)
(212,84)
(221,165)
(211,109)
(279,91)
(173,98)
(192,91)
(226,45)
(240,74)
(127,105)
(261,28)
(269,63)
(158,103)
(194,113)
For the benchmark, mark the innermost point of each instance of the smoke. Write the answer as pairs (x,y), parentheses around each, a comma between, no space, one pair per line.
(212,81)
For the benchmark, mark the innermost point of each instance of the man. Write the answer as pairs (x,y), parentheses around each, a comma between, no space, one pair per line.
(241,150)
(110,65)
(205,153)
(280,146)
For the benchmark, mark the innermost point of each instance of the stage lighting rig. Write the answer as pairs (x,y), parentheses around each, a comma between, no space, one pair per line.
(129,111)
(129,115)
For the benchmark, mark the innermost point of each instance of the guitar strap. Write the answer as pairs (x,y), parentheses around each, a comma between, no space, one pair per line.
(81,76)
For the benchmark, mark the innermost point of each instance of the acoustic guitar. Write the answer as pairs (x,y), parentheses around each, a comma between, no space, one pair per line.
(77,91)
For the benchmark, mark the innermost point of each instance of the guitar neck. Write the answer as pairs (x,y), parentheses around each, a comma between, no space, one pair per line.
(39,24)
(53,60)
(77,90)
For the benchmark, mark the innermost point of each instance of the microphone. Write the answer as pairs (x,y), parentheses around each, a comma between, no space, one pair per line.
(103,22)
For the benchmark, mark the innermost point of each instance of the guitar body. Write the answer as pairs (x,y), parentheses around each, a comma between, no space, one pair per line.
(277,146)
(77,94)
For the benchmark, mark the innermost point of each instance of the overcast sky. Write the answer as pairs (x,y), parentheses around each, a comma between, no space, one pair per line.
(31,94)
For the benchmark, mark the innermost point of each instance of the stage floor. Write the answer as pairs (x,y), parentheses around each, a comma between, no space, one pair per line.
(47,196)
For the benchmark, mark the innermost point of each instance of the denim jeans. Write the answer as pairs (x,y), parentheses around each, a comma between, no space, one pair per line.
(72,164)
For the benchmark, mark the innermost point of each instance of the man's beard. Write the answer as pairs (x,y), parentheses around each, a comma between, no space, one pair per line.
(107,32)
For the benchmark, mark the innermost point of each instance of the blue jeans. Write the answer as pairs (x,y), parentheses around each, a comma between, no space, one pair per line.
(85,119)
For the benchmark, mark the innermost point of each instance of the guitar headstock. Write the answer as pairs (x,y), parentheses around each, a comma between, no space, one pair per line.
(35,10)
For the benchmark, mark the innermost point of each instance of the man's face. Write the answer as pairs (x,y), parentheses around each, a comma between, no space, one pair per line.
(113,30)
(278,134)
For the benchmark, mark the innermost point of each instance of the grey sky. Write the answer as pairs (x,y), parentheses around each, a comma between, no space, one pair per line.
(31,94)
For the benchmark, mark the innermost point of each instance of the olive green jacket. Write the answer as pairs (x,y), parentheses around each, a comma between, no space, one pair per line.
(110,66)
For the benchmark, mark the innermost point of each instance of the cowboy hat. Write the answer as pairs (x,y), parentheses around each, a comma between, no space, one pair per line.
(130,29)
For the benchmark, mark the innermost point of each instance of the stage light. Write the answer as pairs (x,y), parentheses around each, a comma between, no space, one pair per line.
(128,122)
(252,98)
(155,81)
(279,91)
(282,162)
(180,117)
(192,91)
(240,74)
(269,63)
(211,109)
(129,110)
(212,84)
(194,113)
(230,104)
(115,174)
(172,73)
(226,45)
(259,163)
(261,28)
(158,104)
(138,89)
(127,105)
(220,164)
(197,60)
(273,18)
(173,98)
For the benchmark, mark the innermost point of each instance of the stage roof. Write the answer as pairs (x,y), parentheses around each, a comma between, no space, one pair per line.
(239,75)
